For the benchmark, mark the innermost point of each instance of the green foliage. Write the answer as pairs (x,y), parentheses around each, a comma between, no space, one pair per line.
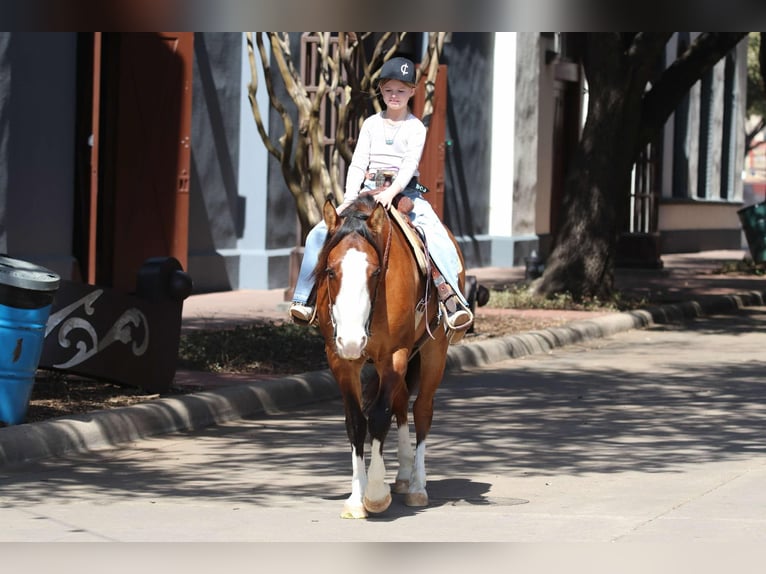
(744,267)
(265,346)
(519,296)
(756,97)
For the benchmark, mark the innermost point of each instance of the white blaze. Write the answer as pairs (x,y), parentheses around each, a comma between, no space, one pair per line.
(352,306)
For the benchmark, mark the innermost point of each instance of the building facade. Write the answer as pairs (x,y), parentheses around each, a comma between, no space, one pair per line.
(516,103)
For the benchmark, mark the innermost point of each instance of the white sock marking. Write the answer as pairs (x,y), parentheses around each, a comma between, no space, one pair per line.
(404,453)
(418,482)
(358,479)
(377,488)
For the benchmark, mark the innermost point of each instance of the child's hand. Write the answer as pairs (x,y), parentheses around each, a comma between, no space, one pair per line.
(384,195)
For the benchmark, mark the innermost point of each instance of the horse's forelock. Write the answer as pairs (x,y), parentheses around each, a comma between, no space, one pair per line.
(353,220)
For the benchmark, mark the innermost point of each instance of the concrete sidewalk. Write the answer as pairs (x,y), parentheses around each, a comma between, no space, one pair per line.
(687,283)
(649,439)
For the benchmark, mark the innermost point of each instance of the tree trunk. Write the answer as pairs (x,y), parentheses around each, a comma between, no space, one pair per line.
(623,117)
(762,59)
(582,260)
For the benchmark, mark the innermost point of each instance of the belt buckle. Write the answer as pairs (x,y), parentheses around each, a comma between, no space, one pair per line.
(384,177)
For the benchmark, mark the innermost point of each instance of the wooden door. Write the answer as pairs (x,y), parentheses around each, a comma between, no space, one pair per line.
(144,135)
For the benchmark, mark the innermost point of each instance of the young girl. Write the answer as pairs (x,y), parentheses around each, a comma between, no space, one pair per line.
(389,146)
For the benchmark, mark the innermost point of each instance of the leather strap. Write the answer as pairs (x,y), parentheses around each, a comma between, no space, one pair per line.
(445,291)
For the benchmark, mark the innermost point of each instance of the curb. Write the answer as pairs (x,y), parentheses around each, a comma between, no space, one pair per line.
(545,340)
(108,428)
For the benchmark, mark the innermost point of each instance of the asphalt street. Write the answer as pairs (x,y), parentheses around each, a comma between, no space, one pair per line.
(648,435)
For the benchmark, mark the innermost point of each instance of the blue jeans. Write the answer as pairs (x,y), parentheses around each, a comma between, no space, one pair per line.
(440,246)
(314,242)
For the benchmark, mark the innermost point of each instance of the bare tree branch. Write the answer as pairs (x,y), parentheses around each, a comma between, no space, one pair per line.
(430,67)
(344,86)
(252,90)
(750,136)
(707,49)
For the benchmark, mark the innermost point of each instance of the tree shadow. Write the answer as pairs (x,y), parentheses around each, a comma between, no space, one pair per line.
(542,416)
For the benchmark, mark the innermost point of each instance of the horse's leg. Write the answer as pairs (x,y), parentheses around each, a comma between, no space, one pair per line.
(377,496)
(431,372)
(404,455)
(353,507)
(404,452)
(356,428)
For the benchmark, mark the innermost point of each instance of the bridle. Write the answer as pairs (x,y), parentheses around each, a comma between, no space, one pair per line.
(381,269)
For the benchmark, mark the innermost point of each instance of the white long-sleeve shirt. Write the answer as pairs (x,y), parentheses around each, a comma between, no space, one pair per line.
(372,153)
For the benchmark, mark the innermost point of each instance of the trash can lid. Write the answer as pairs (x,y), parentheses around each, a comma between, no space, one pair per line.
(25,275)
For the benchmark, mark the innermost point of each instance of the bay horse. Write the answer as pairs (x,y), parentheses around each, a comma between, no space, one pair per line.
(373,308)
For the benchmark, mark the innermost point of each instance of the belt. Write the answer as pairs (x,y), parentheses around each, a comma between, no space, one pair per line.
(383,176)
(413,184)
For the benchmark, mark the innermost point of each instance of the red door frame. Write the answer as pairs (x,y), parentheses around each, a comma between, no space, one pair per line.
(432,162)
(141,153)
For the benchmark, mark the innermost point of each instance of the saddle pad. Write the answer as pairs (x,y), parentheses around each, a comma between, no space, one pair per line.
(416,243)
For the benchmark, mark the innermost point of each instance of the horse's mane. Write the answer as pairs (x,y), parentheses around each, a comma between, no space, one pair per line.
(353,220)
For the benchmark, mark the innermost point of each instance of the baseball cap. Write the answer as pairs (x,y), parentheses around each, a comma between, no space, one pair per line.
(400,69)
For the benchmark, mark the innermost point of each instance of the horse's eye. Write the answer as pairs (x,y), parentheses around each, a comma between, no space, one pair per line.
(376,272)
(330,273)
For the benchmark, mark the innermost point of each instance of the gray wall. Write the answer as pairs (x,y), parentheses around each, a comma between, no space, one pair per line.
(469,129)
(216,208)
(37,127)
(242,222)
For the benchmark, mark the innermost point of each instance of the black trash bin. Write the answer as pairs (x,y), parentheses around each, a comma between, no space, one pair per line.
(753,220)
(26,295)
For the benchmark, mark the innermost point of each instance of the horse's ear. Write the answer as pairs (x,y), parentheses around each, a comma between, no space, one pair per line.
(330,215)
(377,219)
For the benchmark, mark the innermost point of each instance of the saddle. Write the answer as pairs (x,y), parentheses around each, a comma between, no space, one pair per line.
(399,211)
(412,235)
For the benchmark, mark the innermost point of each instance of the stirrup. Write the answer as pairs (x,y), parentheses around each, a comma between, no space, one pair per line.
(459,319)
(455,324)
(303,314)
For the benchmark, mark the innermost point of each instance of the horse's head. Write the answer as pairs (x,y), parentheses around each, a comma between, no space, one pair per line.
(348,272)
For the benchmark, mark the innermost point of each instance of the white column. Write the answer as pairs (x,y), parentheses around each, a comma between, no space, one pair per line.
(503,135)
(253,182)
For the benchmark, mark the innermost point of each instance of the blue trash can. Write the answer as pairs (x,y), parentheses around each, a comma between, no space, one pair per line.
(26,295)
(753,219)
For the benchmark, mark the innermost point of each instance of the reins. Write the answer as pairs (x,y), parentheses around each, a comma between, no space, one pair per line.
(383,271)
(429,333)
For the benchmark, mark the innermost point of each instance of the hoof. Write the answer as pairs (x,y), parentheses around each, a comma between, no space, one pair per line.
(378,506)
(416,499)
(401,486)
(353,511)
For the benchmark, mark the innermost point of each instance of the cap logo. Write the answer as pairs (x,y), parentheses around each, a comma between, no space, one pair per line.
(404,69)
